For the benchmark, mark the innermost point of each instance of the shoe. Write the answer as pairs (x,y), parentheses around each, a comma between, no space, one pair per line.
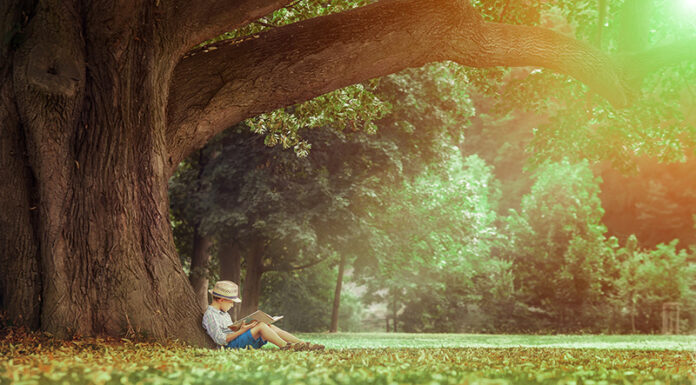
(295,346)
(288,346)
(315,346)
(302,346)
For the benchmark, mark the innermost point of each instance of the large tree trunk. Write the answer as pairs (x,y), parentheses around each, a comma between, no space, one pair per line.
(252,280)
(90,88)
(337,295)
(199,267)
(20,284)
(230,259)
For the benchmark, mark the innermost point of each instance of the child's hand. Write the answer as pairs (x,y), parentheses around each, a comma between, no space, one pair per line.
(234,328)
(243,326)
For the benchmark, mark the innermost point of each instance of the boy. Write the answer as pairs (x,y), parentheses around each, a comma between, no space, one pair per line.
(217,322)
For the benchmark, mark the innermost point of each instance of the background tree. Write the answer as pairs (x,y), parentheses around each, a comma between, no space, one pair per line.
(305,298)
(648,279)
(558,248)
(433,234)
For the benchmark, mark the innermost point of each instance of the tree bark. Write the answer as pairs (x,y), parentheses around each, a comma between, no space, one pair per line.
(337,295)
(230,259)
(20,284)
(394,311)
(203,22)
(200,258)
(199,267)
(89,83)
(252,280)
(215,88)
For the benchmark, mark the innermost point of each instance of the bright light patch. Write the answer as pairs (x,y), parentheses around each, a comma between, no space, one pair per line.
(689,5)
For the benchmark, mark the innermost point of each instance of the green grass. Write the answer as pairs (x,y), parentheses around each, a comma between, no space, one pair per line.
(433,340)
(374,358)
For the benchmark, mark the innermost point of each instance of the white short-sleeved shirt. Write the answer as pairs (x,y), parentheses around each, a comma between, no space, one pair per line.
(216,323)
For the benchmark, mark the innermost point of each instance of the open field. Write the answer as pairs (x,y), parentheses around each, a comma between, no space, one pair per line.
(374,358)
(423,340)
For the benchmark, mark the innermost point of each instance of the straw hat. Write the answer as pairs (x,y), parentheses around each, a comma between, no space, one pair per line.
(227,290)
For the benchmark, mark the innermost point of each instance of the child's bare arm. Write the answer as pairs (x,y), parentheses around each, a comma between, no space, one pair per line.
(240,329)
(234,327)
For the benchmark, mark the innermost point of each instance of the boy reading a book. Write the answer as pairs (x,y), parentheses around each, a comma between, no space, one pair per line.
(218,323)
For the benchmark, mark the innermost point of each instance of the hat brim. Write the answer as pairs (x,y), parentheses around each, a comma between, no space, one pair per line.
(233,299)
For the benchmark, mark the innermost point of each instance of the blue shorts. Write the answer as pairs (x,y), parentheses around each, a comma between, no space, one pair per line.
(246,339)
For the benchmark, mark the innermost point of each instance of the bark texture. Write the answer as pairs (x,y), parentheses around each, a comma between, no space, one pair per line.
(251,293)
(337,295)
(196,23)
(20,286)
(83,118)
(90,98)
(199,268)
(230,258)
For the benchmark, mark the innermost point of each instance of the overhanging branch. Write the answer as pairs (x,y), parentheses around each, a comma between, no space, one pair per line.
(196,22)
(519,46)
(228,82)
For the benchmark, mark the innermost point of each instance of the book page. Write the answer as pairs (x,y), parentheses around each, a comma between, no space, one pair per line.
(257,316)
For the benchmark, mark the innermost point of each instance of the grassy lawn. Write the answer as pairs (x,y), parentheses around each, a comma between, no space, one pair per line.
(358,358)
(408,340)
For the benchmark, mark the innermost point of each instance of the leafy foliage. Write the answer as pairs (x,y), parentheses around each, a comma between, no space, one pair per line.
(304,297)
(356,107)
(660,123)
(648,279)
(456,266)
(32,359)
(570,276)
(557,244)
(439,259)
(302,207)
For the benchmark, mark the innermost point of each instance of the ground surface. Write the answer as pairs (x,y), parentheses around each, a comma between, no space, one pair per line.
(374,358)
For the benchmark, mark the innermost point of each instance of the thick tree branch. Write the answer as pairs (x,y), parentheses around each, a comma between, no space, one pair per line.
(223,84)
(519,46)
(195,22)
(230,81)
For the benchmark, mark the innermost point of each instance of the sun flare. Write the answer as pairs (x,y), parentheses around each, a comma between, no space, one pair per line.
(689,5)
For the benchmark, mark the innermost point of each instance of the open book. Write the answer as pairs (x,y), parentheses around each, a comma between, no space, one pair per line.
(257,316)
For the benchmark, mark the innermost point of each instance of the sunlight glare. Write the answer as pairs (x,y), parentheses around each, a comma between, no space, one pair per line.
(689,5)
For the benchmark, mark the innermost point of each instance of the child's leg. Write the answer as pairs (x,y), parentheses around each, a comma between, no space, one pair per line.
(285,335)
(268,334)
